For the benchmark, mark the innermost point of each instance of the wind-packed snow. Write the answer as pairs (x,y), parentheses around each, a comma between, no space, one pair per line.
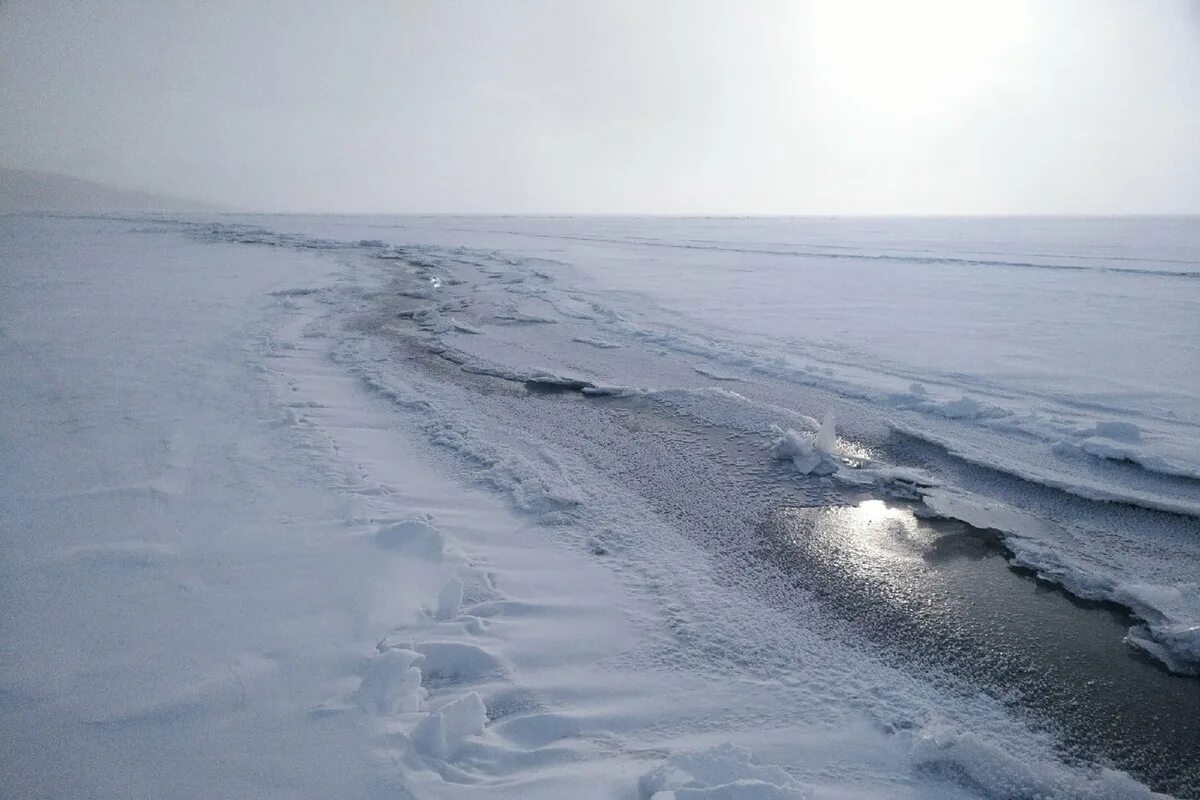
(399,507)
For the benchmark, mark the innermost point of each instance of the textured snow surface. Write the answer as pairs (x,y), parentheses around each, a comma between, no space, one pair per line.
(307,507)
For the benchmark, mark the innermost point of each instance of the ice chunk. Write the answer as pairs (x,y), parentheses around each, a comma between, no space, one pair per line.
(463,327)
(444,731)
(810,454)
(827,436)
(391,684)
(450,598)
(1172,630)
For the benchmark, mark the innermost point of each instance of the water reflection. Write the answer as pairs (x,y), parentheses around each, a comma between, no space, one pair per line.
(885,547)
(941,594)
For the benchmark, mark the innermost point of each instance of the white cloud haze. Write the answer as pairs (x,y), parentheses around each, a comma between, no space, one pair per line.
(613,107)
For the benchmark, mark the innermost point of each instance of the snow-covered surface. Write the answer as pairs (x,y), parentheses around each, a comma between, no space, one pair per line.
(259,539)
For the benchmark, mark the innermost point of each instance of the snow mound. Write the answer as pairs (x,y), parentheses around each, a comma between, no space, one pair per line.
(719,773)
(918,398)
(414,537)
(391,684)
(538,730)
(442,734)
(459,662)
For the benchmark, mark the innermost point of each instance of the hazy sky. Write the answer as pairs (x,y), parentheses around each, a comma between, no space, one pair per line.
(949,107)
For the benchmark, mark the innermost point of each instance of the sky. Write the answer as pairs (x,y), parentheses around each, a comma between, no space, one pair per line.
(660,107)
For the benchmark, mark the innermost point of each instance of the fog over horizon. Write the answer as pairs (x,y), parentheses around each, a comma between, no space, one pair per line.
(615,107)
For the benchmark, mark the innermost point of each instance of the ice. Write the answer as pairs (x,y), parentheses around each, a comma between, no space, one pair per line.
(810,454)
(510,564)
(998,774)
(603,344)
(450,598)
(1121,431)
(1172,622)
(391,683)
(1170,613)
(463,327)
(444,731)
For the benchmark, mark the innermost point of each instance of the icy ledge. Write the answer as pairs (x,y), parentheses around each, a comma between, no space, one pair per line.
(1170,614)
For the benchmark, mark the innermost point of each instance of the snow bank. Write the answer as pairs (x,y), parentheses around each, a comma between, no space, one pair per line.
(1124,441)
(720,773)
(1078,485)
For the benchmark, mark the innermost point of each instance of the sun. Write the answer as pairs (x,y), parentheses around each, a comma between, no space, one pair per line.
(912,59)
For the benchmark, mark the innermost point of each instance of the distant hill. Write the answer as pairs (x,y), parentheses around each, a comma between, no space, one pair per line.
(23,190)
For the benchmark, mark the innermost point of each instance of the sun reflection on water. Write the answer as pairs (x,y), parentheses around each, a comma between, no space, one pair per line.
(873,543)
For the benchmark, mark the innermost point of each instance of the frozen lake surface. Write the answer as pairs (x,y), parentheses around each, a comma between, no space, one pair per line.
(599,507)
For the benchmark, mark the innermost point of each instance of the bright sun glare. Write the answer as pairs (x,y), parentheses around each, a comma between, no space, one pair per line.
(913,58)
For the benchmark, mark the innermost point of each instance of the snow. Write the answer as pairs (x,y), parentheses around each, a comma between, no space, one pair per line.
(450,598)
(391,684)
(329,507)
(415,537)
(720,773)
